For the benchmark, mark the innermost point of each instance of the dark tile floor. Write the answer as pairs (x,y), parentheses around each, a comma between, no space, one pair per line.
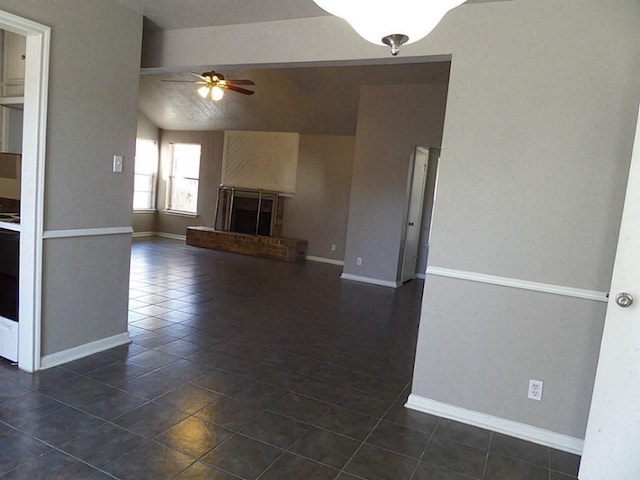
(242,368)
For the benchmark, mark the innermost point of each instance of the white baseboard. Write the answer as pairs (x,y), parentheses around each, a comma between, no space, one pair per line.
(142,234)
(372,281)
(512,428)
(85,350)
(331,261)
(172,236)
(421,276)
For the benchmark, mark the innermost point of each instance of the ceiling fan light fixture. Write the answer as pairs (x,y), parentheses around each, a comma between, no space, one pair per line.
(213,85)
(384,23)
(217,93)
(214,91)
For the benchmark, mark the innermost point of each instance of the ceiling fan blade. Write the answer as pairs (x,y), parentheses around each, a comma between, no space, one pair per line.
(240,82)
(185,81)
(233,88)
(198,75)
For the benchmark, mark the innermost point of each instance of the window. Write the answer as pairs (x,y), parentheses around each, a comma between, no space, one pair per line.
(146,169)
(182,195)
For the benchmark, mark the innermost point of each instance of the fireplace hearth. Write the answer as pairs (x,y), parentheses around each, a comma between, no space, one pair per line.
(249,222)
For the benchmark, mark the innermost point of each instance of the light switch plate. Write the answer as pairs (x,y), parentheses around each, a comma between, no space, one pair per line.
(118,160)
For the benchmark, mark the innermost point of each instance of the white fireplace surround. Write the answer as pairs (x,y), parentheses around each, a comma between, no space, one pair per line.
(261,161)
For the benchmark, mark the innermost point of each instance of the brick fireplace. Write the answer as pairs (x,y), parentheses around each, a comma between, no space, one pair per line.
(249,222)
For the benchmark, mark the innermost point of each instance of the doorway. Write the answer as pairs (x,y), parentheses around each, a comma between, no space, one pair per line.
(422,183)
(32,184)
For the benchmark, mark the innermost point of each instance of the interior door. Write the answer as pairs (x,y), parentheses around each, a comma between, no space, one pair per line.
(414,217)
(612,442)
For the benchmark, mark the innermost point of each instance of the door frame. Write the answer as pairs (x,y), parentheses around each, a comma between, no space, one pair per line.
(410,184)
(32,188)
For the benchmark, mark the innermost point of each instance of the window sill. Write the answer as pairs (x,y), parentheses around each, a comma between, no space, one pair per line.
(145,210)
(178,213)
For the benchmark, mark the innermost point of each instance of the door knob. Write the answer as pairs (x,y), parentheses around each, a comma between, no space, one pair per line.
(624,300)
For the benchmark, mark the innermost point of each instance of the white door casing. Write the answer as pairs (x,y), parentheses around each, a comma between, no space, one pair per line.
(414,216)
(612,442)
(32,187)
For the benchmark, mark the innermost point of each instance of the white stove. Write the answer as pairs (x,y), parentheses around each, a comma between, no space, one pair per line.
(9,292)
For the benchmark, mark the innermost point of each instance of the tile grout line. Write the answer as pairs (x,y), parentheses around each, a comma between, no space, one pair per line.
(331,354)
(146,440)
(486,458)
(342,470)
(431,435)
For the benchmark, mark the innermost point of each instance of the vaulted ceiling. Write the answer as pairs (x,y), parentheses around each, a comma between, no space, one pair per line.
(318,100)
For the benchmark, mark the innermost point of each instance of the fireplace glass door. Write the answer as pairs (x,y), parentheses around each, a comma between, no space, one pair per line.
(252,212)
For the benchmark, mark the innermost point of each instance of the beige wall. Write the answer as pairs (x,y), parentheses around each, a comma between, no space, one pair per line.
(392,122)
(537,140)
(536,150)
(480,344)
(146,129)
(76,309)
(318,212)
(93,86)
(541,109)
(144,223)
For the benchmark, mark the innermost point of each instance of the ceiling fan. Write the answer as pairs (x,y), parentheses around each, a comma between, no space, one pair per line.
(214,84)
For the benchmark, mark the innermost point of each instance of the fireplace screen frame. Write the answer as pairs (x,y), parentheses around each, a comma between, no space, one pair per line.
(226,213)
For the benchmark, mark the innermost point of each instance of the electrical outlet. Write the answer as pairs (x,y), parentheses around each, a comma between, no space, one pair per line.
(535,389)
(333,247)
(359,261)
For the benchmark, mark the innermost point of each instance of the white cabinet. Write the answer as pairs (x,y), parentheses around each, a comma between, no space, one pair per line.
(12,91)
(12,129)
(13,61)
(10,179)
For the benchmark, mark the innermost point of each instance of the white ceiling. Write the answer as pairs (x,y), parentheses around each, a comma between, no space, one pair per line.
(174,14)
(318,100)
(308,100)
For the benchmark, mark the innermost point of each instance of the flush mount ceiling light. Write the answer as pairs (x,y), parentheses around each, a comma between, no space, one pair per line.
(390,23)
